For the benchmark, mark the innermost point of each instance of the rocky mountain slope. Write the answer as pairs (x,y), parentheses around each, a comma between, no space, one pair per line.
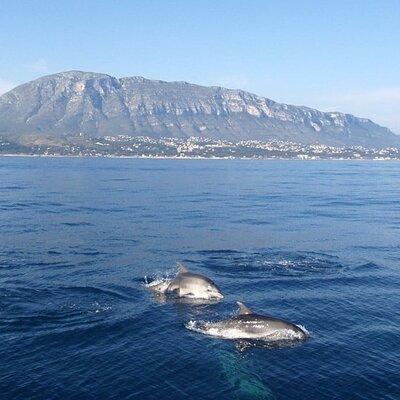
(84,103)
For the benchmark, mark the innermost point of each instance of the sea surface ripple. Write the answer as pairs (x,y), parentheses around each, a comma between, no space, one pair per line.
(316,243)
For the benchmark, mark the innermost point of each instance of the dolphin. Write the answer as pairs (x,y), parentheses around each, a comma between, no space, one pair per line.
(248,325)
(190,285)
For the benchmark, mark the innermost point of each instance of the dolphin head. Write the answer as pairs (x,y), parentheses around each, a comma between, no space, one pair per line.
(160,287)
(196,286)
(212,292)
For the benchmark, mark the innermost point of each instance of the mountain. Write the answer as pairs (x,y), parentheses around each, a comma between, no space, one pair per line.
(85,103)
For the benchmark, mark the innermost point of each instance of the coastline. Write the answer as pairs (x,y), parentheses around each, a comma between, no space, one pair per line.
(196,158)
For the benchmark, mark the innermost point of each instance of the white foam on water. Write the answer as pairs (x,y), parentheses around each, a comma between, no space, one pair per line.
(156,281)
(304,329)
(98,308)
(207,328)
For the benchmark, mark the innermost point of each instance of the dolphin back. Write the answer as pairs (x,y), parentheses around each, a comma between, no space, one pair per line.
(253,323)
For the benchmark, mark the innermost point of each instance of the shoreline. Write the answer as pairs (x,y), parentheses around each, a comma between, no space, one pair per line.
(195,158)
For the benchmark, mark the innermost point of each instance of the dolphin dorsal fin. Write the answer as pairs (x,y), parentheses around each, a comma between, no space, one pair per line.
(243,309)
(181,268)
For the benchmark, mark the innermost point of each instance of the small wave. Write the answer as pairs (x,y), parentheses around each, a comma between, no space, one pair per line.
(88,252)
(54,253)
(218,251)
(366,266)
(91,290)
(77,223)
(274,262)
(14,187)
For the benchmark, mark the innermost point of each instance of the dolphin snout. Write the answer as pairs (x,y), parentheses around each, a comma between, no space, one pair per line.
(217,296)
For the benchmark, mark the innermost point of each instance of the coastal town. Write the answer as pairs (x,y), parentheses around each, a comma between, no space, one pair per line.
(192,147)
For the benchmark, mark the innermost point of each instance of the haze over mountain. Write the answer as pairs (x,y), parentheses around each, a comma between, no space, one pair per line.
(92,104)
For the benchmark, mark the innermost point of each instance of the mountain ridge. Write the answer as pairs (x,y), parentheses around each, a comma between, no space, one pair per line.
(73,103)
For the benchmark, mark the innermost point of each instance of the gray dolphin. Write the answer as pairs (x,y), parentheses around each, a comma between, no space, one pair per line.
(190,285)
(248,325)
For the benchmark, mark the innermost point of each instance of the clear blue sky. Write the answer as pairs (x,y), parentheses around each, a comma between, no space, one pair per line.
(342,55)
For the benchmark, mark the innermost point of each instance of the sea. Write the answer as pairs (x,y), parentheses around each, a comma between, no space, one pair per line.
(313,242)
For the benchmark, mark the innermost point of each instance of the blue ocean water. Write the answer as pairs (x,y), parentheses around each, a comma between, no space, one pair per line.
(316,243)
